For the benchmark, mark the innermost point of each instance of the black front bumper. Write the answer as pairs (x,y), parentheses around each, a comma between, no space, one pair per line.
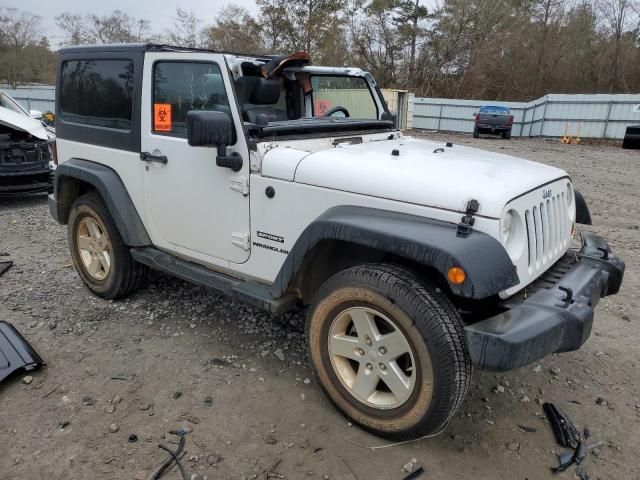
(556,317)
(34,180)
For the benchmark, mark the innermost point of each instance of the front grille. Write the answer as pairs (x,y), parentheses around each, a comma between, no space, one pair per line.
(547,225)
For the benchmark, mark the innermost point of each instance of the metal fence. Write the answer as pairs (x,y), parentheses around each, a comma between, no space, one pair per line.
(33,97)
(587,116)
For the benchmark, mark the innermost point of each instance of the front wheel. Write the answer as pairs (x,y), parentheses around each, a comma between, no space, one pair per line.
(388,350)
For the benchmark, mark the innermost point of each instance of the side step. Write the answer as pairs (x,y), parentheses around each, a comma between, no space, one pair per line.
(251,293)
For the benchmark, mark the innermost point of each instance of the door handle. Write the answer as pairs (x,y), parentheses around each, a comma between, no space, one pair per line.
(147,157)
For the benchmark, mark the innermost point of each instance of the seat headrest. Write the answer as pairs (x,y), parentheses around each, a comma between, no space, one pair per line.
(265,91)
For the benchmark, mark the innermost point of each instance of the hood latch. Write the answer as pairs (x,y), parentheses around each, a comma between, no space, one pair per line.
(467,221)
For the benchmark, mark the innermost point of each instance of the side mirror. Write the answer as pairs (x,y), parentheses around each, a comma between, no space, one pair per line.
(213,129)
(37,114)
(475,114)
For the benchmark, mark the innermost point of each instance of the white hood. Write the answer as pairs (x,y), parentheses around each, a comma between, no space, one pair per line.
(447,179)
(23,122)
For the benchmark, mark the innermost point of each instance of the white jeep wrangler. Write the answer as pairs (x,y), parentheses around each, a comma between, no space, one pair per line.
(285,184)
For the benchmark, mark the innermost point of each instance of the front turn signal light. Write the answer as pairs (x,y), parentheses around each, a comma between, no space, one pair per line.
(456,275)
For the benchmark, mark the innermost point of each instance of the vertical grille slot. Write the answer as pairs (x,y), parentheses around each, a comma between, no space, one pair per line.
(531,237)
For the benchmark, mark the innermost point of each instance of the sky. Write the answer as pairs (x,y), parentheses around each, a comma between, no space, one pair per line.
(159,12)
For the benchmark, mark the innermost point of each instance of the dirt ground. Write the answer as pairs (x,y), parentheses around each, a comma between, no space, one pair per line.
(246,388)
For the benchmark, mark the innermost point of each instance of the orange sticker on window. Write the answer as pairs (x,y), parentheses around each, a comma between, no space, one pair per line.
(162,117)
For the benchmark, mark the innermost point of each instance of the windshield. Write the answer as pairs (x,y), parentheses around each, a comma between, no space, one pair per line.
(7,102)
(492,109)
(342,96)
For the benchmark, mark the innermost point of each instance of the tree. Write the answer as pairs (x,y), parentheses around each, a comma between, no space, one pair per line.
(234,30)
(20,47)
(117,27)
(186,29)
(618,17)
(273,22)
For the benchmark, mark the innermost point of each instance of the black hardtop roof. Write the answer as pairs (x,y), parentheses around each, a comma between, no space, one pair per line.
(148,47)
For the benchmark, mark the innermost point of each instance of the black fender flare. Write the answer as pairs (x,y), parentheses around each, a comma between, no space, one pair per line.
(113,192)
(583,215)
(429,242)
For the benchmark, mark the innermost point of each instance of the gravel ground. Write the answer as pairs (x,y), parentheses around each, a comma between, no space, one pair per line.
(177,355)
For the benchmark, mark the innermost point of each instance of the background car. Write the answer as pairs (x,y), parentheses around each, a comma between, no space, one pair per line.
(27,149)
(632,137)
(493,119)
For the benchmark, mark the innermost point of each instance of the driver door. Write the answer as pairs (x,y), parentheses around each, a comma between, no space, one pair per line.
(192,206)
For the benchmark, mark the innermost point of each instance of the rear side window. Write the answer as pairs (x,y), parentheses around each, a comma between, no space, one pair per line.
(179,87)
(97,93)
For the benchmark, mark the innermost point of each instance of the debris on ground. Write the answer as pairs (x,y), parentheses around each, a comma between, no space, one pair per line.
(175,456)
(410,465)
(16,353)
(415,474)
(569,436)
(4,266)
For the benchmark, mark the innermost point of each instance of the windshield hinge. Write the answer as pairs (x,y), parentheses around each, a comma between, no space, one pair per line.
(240,184)
(240,239)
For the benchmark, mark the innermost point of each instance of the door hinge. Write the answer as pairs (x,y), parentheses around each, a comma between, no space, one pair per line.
(241,240)
(240,184)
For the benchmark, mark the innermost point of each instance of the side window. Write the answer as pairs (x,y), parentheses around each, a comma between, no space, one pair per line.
(97,92)
(179,87)
(351,93)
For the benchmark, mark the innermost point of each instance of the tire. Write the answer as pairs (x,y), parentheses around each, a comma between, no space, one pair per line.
(99,255)
(436,367)
(476,134)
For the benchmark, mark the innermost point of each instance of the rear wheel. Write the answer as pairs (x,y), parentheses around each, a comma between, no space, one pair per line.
(506,135)
(476,134)
(100,256)
(388,350)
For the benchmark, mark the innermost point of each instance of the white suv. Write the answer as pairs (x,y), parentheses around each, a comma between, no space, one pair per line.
(284,184)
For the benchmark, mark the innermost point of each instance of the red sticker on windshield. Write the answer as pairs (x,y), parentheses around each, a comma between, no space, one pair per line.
(162,117)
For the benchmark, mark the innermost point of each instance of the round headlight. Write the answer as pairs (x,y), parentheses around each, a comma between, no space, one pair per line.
(512,233)
(506,226)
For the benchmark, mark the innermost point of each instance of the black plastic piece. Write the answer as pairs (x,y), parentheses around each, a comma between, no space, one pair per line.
(395,152)
(583,216)
(233,161)
(15,352)
(209,128)
(252,293)
(467,221)
(563,429)
(4,266)
(270,192)
(569,298)
(415,474)
(147,157)
(539,324)
(428,242)
(448,144)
